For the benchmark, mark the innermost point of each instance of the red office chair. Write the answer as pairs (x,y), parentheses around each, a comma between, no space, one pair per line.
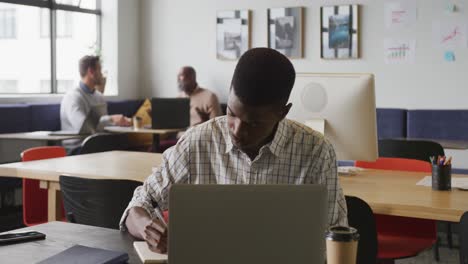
(402,237)
(34,198)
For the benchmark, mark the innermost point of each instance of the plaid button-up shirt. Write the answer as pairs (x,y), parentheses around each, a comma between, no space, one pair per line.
(206,155)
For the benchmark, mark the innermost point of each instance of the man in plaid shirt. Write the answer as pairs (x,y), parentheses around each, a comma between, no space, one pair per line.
(253,144)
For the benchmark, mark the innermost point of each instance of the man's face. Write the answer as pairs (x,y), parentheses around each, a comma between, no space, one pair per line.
(186,81)
(96,74)
(250,127)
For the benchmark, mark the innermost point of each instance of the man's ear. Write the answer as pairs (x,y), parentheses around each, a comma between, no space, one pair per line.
(286,110)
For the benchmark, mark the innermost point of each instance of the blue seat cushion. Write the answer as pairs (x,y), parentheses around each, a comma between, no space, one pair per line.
(125,107)
(438,124)
(391,123)
(15,118)
(45,117)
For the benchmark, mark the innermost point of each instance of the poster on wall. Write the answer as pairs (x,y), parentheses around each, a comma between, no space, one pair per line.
(232,34)
(285,27)
(449,33)
(399,51)
(339,32)
(400,14)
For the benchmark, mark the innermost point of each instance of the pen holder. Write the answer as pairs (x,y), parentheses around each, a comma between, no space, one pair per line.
(441,177)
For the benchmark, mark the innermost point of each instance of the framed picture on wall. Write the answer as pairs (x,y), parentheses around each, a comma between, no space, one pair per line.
(232,34)
(339,32)
(285,30)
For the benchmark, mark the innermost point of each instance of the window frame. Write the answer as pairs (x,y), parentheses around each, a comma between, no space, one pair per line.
(53,7)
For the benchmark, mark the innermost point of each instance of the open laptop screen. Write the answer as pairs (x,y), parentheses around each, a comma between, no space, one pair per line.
(247,224)
(169,113)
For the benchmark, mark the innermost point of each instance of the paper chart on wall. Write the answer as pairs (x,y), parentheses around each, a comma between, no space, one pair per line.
(397,51)
(400,14)
(449,33)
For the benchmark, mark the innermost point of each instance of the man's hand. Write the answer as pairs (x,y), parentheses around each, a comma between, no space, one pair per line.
(204,116)
(155,235)
(120,120)
(153,231)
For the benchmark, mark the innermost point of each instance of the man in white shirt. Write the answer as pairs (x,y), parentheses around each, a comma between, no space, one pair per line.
(78,102)
(253,144)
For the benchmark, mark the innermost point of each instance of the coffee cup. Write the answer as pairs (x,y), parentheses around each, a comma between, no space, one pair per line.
(342,243)
(137,123)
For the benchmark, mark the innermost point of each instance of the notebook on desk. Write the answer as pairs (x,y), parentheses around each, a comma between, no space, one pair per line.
(146,255)
(87,255)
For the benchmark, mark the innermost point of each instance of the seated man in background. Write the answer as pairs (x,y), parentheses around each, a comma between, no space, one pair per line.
(252,144)
(204,104)
(78,102)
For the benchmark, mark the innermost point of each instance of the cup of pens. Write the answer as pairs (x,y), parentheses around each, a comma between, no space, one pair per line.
(441,173)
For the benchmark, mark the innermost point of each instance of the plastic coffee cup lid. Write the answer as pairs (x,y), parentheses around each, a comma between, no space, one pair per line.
(342,233)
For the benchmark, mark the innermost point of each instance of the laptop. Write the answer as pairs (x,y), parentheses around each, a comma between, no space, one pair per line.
(89,124)
(169,113)
(247,224)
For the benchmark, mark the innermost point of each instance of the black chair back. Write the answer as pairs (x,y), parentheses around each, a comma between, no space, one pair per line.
(101,142)
(464,239)
(409,149)
(361,217)
(96,202)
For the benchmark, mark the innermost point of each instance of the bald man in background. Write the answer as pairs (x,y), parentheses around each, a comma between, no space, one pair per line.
(204,104)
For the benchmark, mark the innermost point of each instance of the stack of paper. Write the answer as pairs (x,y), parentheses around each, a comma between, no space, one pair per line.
(148,256)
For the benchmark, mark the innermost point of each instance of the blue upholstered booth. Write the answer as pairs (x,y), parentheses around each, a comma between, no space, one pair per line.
(37,117)
(15,118)
(45,117)
(391,123)
(438,124)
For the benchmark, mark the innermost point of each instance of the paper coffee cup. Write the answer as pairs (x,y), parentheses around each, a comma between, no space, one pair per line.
(137,123)
(342,243)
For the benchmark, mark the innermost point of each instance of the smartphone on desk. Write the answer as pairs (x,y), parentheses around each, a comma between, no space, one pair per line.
(19,237)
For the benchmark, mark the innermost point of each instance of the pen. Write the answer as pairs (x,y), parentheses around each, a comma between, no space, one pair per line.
(159,215)
(448,161)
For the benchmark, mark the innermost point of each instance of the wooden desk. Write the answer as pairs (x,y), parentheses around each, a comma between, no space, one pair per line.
(60,236)
(38,136)
(120,165)
(396,193)
(156,133)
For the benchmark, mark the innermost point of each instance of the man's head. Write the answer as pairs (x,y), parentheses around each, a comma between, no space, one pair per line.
(260,89)
(187,79)
(90,71)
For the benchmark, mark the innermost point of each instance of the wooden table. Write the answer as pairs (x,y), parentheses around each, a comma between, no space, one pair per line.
(155,132)
(120,165)
(60,236)
(39,136)
(396,193)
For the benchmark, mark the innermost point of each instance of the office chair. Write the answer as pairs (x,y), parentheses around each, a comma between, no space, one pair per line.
(414,149)
(403,237)
(409,149)
(101,142)
(361,217)
(464,239)
(96,202)
(34,198)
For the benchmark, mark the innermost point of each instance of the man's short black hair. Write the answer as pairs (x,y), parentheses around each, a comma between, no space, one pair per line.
(88,62)
(263,76)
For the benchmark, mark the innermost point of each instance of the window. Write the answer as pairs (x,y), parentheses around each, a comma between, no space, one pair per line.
(9,86)
(43,40)
(7,23)
(62,85)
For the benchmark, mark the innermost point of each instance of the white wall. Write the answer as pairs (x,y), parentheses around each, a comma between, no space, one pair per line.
(120,47)
(181,32)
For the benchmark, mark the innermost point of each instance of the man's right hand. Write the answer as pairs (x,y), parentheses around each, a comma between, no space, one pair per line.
(120,120)
(153,231)
(155,235)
